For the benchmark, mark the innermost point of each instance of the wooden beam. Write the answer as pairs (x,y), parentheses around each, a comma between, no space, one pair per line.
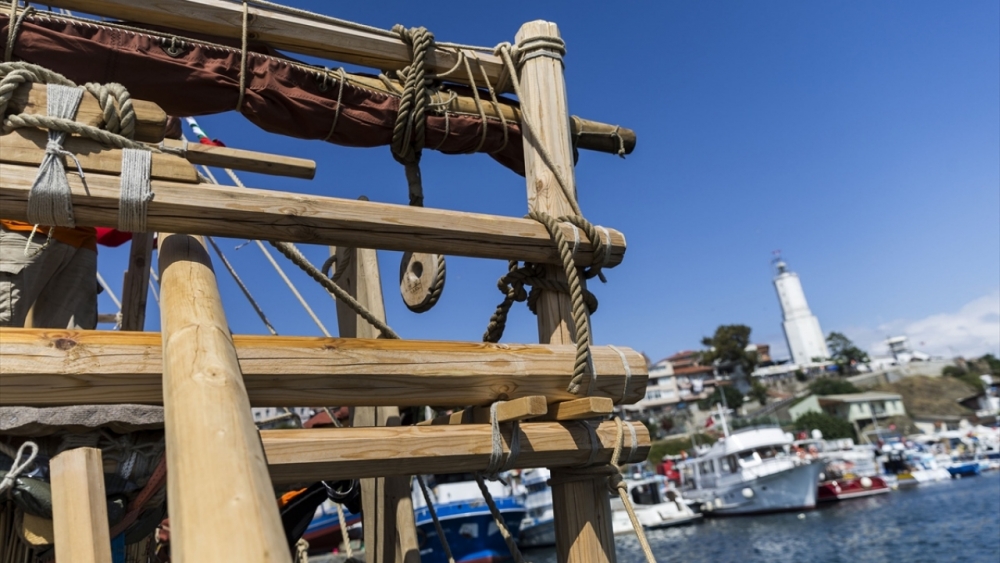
(581,507)
(45,367)
(79,507)
(339,453)
(250,161)
(508,411)
(218,487)
(580,409)
(271,215)
(27,147)
(320,38)
(135,287)
(150,119)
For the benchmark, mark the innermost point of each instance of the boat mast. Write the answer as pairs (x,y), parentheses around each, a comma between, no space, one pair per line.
(722,415)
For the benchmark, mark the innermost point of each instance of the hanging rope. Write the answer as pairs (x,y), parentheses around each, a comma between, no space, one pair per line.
(19,465)
(13,26)
(434,518)
(242,286)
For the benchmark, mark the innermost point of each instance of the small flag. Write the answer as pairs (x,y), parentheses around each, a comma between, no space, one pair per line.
(709,422)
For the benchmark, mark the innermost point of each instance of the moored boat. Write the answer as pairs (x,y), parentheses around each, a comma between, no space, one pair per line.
(537,527)
(656,504)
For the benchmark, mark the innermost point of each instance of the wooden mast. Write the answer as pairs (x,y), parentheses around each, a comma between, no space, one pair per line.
(221,502)
(582,509)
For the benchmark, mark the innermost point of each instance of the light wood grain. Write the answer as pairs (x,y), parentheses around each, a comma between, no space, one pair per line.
(507,411)
(286,32)
(45,367)
(135,287)
(220,498)
(581,508)
(249,161)
(579,409)
(79,509)
(263,214)
(150,119)
(27,147)
(338,453)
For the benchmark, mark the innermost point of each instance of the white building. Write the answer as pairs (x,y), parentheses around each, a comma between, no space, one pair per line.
(802,332)
(661,389)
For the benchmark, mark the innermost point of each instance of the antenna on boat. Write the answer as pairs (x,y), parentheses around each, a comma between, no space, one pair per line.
(722,415)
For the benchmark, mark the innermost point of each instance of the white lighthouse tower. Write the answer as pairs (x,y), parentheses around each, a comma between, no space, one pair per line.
(802,331)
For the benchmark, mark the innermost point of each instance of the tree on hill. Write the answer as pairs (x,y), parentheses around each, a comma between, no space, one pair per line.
(758,392)
(728,348)
(845,354)
(734,399)
(830,386)
(970,378)
(831,426)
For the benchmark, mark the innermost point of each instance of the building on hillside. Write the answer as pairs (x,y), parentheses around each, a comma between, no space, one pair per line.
(806,342)
(856,408)
(673,381)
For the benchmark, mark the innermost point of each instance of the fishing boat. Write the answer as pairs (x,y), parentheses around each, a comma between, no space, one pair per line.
(656,502)
(849,470)
(472,534)
(537,527)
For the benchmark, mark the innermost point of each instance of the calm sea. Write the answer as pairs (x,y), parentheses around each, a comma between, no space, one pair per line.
(950,521)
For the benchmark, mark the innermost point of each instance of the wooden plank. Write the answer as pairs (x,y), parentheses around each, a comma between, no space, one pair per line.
(135,287)
(389,528)
(79,509)
(27,147)
(271,215)
(218,487)
(250,161)
(150,119)
(336,453)
(580,409)
(46,367)
(507,411)
(325,39)
(581,508)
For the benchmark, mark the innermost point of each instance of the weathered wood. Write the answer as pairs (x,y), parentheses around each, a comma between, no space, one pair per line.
(45,367)
(220,498)
(79,509)
(250,161)
(579,409)
(297,34)
(581,507)
(336,453)
(417,272)
(27,147)
(508,411)
(150,119)
(135,287)
(265,214)
(388,521)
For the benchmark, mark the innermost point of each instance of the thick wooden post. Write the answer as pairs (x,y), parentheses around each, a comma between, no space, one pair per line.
(135,288)
(582,508)
(221,501)
(389,527)
(79,509)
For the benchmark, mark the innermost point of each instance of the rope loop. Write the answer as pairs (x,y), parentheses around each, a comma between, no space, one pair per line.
(19,466)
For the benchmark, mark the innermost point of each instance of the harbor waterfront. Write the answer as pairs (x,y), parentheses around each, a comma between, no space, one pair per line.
(951,521)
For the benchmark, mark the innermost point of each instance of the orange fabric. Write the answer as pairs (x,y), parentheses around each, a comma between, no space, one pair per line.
(287,497)
(79,237)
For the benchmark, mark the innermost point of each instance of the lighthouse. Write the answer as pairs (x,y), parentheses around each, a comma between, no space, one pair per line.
(802,331)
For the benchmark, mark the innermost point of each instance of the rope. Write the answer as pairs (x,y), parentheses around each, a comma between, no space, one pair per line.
(340,94)
(434,518)
(498,519)
(13,27)
(344,536)
(498,461)
(628,374)
(242,286)
(243,59)
(341,266)
(49,201)
(301,546)
(408,131)
(19,466)
(136,190)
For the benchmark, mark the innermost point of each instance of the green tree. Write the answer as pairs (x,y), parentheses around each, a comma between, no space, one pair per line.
(830,386)
(758,392)
(844,353)
(831,426)
(734,399)
(968,377)
(992,362)
(728,347)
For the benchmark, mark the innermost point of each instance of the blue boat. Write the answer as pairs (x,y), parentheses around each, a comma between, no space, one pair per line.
(468,526)
(964,469)
(323,533)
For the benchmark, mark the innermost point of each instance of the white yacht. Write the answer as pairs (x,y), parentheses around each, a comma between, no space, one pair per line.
(655,502)
(751,471)
(537,528)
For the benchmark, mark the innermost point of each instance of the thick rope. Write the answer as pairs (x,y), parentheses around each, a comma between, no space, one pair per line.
(436,288)
(302,551)
(344,536)
(342,266)
(410,127)
(136,190)
(13,26)
(243,59)
(498,519)
(19,466)
(434,518)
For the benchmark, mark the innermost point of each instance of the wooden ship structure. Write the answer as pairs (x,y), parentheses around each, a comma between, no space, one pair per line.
(210,469)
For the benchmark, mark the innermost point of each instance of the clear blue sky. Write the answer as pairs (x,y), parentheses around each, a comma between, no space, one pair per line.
(860,138)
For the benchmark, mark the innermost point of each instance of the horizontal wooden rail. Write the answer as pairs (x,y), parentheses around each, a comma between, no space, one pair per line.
(42,367)
(287,32)
(271,215)
(249,161)
(347,453)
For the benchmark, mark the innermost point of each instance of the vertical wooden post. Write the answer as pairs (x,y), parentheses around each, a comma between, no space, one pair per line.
(582,508)
(220,498)
(135,288)
(389,527)
(79,507)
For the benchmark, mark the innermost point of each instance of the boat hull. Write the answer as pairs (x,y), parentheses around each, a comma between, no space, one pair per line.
(470,530)
(792,489)
(541,534)
(845,489)
(969,469)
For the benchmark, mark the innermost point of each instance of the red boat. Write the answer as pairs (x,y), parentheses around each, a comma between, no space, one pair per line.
(838,482)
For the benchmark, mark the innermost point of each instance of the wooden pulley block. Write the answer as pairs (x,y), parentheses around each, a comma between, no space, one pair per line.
(421,280)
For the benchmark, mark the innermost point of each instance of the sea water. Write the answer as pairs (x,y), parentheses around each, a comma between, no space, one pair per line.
(951,521)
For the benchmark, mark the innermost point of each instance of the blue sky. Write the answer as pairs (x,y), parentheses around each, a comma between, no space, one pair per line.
(862,139)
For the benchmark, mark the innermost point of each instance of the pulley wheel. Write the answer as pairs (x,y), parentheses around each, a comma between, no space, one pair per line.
(421,280)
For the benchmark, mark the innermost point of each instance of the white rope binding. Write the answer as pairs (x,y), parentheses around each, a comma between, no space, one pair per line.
(15,470)
(628,374)
(136,190)
(50,199)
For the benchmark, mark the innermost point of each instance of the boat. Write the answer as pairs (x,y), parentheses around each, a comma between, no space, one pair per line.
(657,504)
(849,470)
(537,527)
(324,531)
(752,471)
(468,526)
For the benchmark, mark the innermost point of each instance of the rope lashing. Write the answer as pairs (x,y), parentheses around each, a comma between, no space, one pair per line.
(243,57)
(628,374)
(498,461)
(19,465)
(434,518)
(49,200)
(411,124)
(136,190)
